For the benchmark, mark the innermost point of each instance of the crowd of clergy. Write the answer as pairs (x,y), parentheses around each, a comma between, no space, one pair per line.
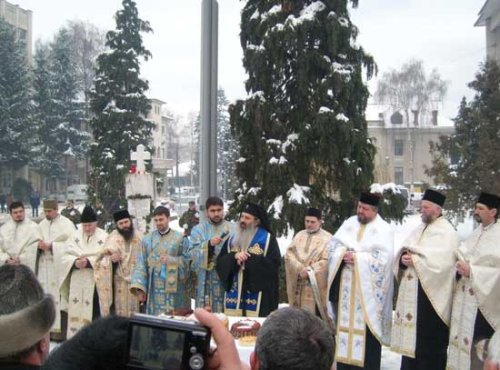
(431,300)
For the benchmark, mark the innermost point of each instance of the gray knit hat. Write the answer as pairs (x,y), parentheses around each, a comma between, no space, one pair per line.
(26,313)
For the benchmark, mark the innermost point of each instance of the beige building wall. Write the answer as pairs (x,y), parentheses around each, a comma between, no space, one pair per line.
(489,18)
(22,20)
(160,161)
(393,158)
(160,131)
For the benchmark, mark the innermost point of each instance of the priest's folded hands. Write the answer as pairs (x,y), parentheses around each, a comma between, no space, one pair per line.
(406,259)
(349,257)
(463,268)
(81,263)
(241,257)
(115,256)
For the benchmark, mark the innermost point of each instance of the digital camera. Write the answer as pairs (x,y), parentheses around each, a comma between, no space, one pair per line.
(162,343)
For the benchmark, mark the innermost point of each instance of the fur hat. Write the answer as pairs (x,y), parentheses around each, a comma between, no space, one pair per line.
(26,313)
(50,204)
(88,215)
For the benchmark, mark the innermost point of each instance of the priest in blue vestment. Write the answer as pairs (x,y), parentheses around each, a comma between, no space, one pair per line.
(162,268)
(207,239)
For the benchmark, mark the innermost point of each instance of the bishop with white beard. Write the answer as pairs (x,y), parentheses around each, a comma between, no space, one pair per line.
(248,266)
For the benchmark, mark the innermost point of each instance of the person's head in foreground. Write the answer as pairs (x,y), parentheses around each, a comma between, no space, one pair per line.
(293,339)
(26,316)
(99,346)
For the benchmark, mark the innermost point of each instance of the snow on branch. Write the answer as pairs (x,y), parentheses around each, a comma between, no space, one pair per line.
(276,207)
(297,194)
(309,13)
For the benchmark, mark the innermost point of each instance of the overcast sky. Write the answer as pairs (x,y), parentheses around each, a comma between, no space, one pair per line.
(440,32)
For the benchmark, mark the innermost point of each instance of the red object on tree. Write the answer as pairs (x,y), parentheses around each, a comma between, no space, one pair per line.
(133,169)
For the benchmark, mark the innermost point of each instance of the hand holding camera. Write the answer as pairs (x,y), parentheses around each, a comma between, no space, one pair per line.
(165,343)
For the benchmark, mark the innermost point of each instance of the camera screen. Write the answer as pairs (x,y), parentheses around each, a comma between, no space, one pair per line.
(156,348)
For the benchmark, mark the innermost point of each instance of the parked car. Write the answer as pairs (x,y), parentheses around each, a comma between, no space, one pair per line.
(60,197)
(77,192)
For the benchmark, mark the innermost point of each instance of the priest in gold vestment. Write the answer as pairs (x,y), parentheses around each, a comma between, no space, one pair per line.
(425,268)
(360,286)
(306,265)
(475,313)
(115,266)
(79,296)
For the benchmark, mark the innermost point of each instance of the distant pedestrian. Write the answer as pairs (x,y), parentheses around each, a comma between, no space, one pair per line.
(35,203)
(10,199)
(71,212)
(3,203)
(190,218)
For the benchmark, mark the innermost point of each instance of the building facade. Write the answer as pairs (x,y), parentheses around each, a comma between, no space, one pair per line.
(21,19)
(489,18)
(161,163)
(403,148)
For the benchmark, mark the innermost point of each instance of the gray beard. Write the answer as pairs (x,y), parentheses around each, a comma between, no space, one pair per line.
(243,237)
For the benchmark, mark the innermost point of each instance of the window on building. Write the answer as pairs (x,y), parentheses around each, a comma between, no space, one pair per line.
(6,180)
(435,117)
(397,118)
(398,175)
(399,147)
(415,117)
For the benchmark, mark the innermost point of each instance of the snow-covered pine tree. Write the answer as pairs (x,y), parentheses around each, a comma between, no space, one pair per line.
(227,149)
(59,113)
(119,105)
(44,121)
(468,161)
(302,132)
(16,132)
(69,108)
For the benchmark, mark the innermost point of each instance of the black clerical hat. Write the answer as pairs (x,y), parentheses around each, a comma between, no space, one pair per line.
(434,196)
(120,215)
(489,200)
(369,198)
(88,215)
(314,212)
(259,212)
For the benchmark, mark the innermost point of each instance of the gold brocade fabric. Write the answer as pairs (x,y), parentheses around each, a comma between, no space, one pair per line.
(308,251)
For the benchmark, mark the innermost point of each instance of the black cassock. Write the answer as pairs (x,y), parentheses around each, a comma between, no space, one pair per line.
(432,338)
(260,275)
(373,349)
